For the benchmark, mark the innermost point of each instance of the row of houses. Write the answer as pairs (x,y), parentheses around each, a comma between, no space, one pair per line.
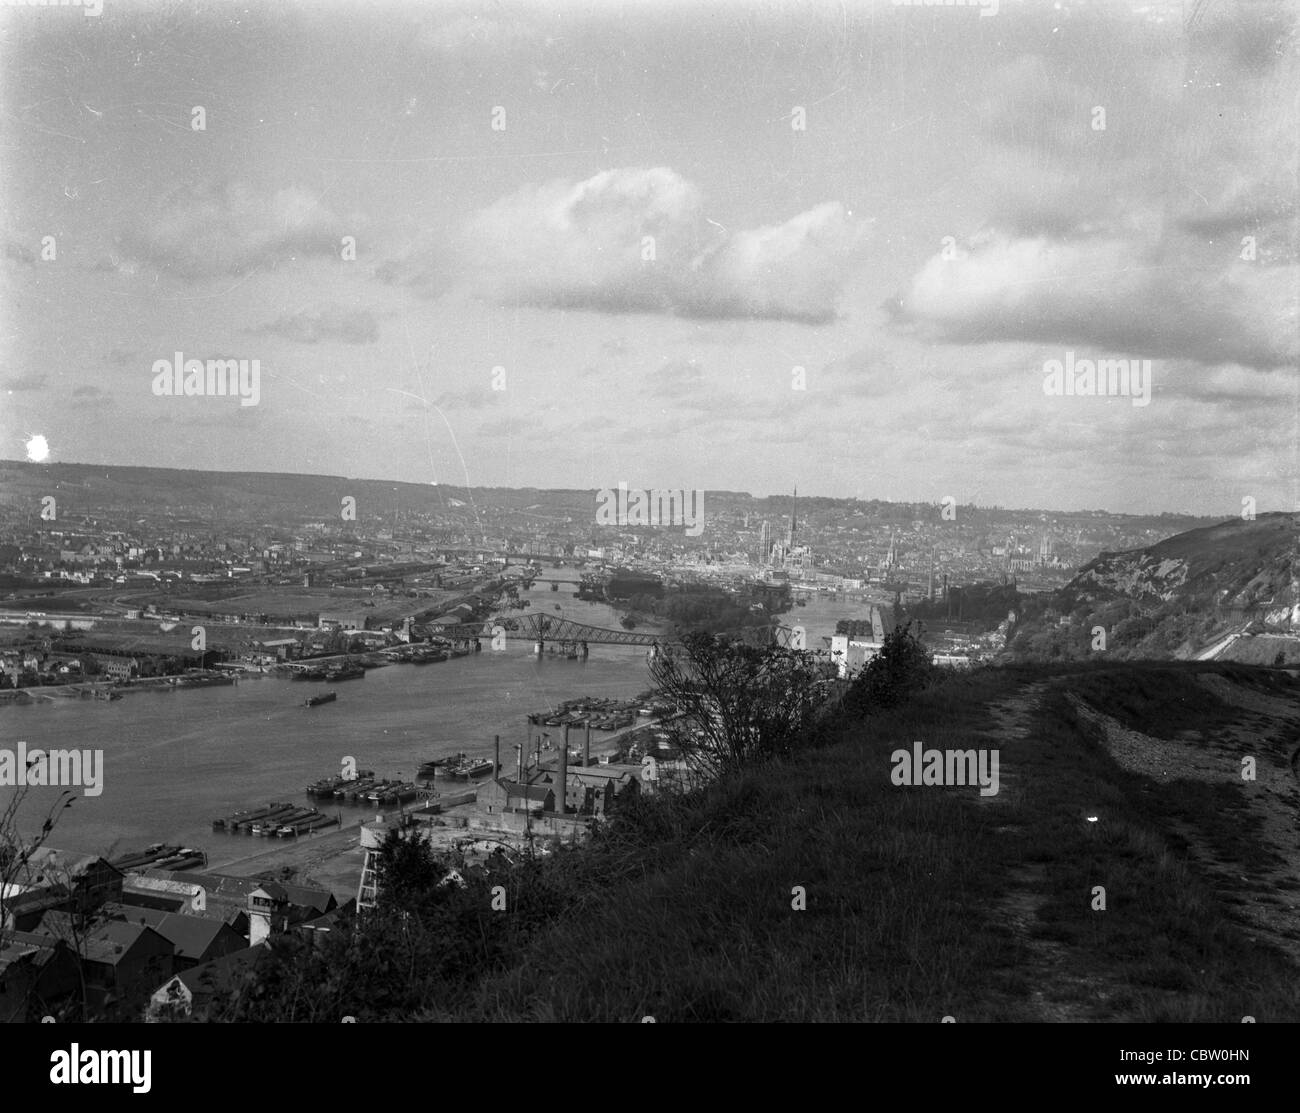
(148,943)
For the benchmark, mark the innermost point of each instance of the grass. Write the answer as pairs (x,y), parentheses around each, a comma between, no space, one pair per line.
(919,902)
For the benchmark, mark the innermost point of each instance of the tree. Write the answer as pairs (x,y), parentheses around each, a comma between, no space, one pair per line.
(740,704)
(405,868)
(902,668)
(16,850)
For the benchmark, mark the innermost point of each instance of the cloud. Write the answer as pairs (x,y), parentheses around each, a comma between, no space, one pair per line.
(310,326)
(466,399)
(1113,293)
(1131,238)
(24,383)
(19,253)
(677,377)
(207,232)
(91,397)
(638,240)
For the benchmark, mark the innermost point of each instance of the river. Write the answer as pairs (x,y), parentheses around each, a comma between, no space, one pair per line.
(175,760)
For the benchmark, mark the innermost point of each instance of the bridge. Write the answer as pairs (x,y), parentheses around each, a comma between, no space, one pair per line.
(540,628)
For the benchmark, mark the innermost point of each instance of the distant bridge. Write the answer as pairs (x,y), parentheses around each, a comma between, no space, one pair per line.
(541,627)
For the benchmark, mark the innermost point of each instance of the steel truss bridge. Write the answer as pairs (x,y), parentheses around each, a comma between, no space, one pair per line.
(541,627)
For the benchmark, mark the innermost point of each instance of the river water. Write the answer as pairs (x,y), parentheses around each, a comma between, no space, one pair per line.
(175,760)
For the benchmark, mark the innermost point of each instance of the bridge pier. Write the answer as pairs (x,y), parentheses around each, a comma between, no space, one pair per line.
(540,648)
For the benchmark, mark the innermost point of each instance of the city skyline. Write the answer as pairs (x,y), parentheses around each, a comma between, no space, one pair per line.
(724,249)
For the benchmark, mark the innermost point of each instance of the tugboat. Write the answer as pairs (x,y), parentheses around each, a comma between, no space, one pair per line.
(316,701)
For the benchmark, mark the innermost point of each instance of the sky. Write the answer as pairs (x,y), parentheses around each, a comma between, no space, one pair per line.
(838,246)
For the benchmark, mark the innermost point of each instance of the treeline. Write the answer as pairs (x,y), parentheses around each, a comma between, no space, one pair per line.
(694,608)
(988,603)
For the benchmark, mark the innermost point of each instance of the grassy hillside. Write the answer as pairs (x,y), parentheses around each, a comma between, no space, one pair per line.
(1176,598)
(921,902)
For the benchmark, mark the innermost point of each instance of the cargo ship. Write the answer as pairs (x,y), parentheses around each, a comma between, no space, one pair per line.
(344,672)
(352,790)
(316,701)
(428,655)
(233,822)
(302,826)
(463,768)
(329,786)
(398,793)
(162,856)
(264,828)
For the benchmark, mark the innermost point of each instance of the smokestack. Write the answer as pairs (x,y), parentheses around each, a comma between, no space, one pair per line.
(586,747)
(496,756)
(566,740)
(519,759)
(562,783)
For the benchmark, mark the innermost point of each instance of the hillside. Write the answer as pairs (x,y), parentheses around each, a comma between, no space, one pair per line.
(1178,598)
(921,902)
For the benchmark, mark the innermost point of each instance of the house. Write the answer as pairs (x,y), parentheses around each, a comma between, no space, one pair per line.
(120,961)
(280,904)
(118,668)
(56,879)
(196,939)
(342,620)
(500,796)
(191,993)
(182,897)
(36,972)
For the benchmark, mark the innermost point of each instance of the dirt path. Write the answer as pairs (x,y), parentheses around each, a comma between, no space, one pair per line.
(1061,985)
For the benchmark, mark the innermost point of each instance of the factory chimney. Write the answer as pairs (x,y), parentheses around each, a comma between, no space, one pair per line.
(496,756)
(562,781)
(519,755)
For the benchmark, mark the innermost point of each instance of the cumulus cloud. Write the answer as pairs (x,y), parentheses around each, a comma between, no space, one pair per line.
(1107,292)
(310,326)
(638,240)
(1189,250)
(231,231)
